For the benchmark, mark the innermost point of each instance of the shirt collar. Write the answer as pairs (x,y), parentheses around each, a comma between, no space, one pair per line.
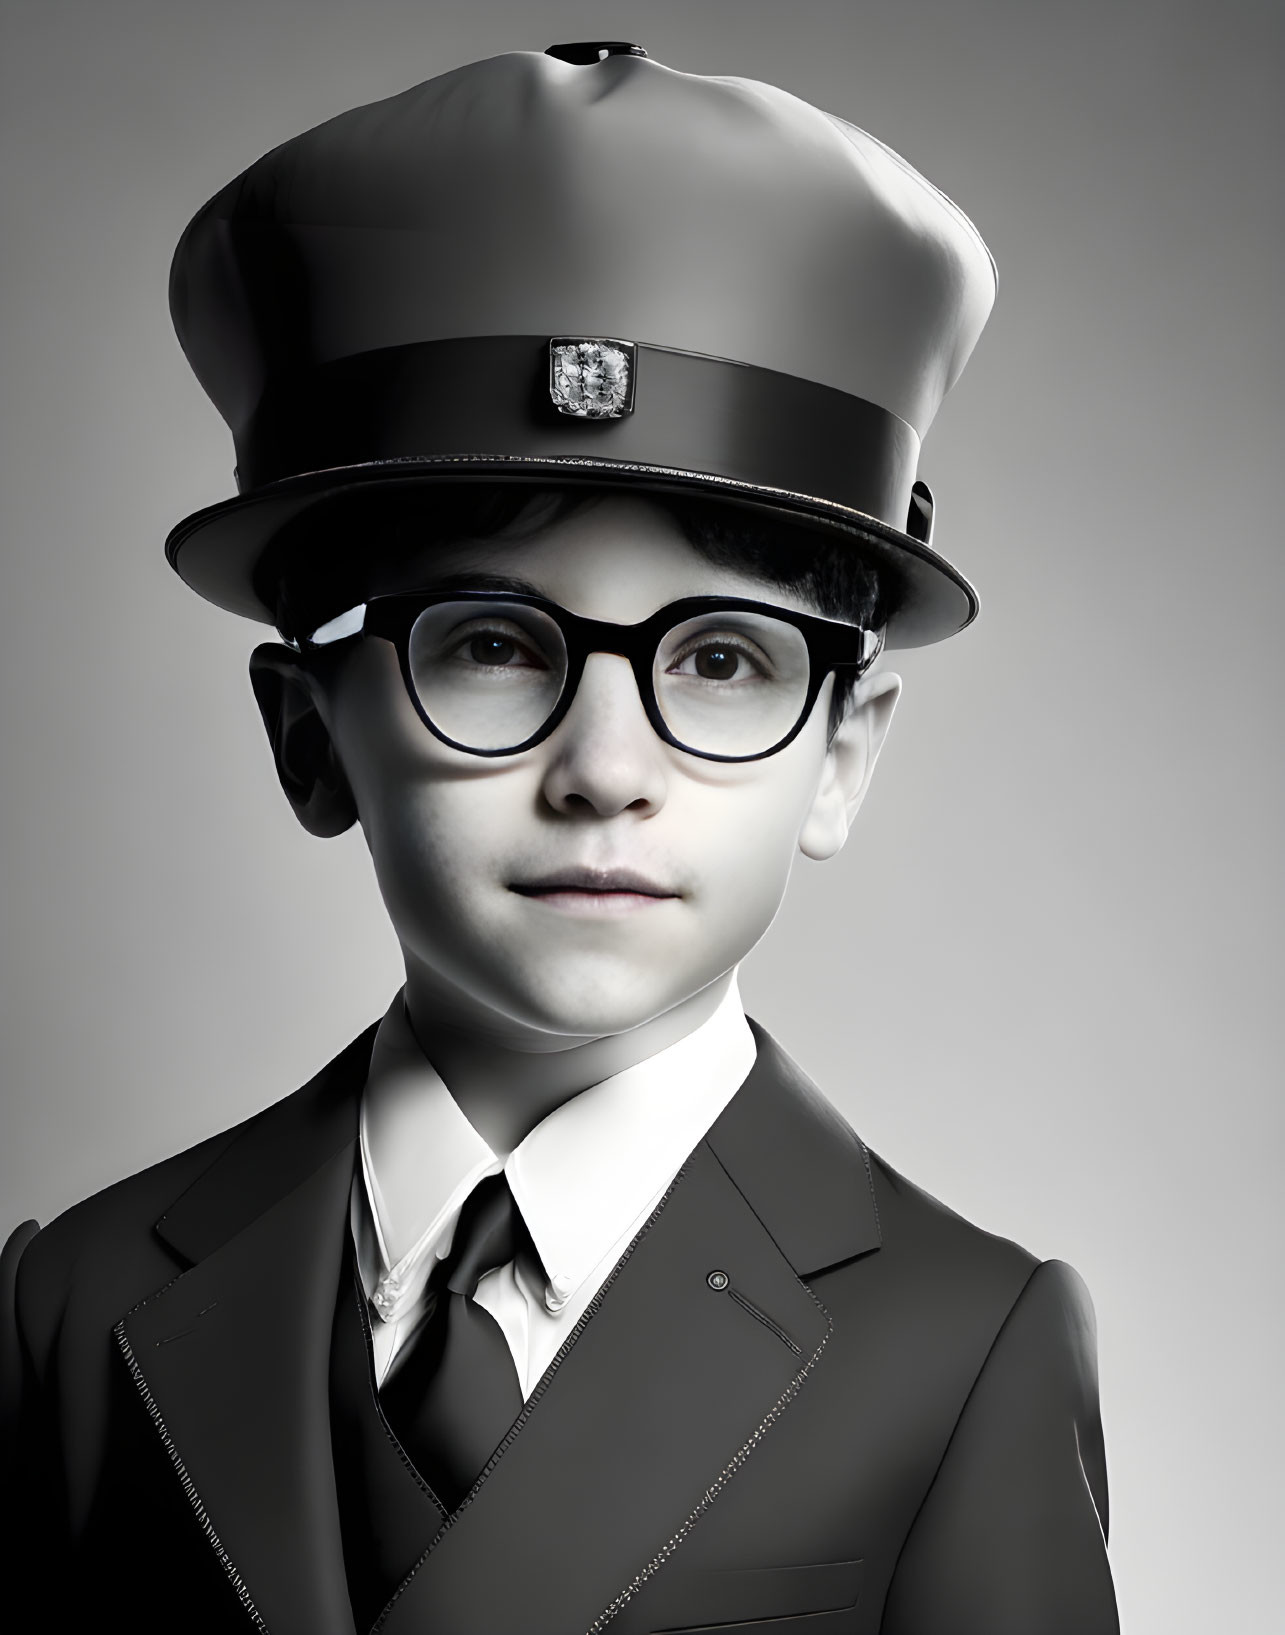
(581,1177)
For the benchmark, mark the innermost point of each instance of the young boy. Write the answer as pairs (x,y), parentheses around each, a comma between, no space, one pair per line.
(577,405)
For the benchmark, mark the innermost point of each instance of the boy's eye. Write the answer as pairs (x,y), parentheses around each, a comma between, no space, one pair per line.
(720,658)
(492,650)
(497,649)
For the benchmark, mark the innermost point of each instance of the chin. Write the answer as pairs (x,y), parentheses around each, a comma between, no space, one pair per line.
(593,1005)
(600,1018)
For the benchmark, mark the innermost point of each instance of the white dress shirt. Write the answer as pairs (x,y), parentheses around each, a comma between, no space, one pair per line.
(585,1179)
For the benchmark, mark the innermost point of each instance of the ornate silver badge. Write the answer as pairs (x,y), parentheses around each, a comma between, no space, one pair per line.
(592,378)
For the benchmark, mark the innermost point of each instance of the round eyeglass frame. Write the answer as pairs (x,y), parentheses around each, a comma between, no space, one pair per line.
(833,647)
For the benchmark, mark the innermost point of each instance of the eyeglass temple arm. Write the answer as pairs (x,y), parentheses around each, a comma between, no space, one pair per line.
(871,646)
(350,623)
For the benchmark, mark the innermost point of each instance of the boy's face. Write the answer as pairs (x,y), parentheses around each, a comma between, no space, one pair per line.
(461,844)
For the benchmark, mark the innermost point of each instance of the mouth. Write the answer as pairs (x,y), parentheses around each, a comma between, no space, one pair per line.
(595,890)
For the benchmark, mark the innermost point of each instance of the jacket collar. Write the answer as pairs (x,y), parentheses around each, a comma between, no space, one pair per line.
(802,1169)
(798,1163)
(271,1154)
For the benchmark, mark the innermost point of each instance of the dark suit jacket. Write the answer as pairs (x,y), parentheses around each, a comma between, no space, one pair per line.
(886,1420)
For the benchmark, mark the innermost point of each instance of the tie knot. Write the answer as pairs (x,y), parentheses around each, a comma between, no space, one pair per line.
(486,1234)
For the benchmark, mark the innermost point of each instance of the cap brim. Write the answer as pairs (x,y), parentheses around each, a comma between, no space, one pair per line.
(218,550)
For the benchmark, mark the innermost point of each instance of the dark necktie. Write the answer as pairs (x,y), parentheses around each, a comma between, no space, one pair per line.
(455,1393)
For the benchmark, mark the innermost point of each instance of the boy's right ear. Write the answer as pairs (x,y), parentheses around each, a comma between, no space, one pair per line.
(308,766)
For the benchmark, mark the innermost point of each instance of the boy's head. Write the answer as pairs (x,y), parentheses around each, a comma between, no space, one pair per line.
(596,338)
(491,865)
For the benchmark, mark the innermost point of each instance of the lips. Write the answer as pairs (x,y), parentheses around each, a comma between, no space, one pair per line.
(596,882)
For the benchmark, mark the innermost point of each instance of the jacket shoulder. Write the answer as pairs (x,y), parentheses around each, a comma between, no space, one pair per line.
(104,1244)
(919,1229)
(102,1255)
(934,1294)
(1012,1532)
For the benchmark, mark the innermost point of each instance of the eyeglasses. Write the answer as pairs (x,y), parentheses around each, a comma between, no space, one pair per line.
(493,673)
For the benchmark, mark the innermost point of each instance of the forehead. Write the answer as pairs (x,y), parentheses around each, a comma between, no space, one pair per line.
(619,558)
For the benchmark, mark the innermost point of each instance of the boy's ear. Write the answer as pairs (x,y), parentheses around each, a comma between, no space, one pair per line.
(307,765)
(849,765)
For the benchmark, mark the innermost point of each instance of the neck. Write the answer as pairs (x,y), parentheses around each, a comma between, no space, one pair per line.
(504,1090)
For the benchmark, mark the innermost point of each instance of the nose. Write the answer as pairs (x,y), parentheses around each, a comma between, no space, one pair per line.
(604,758)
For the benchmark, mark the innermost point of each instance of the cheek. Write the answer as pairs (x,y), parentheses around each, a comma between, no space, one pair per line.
(433,846)
(746,833)
(427,825)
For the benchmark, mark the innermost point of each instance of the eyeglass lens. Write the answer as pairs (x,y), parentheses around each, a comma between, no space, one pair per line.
(490,674)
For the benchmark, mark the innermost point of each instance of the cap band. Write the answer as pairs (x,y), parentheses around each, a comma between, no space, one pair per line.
(490,396)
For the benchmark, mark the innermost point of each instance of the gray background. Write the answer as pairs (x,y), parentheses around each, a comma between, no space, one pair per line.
(1044,979)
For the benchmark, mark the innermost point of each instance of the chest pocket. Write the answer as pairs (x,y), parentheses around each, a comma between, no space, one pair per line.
(815,1598)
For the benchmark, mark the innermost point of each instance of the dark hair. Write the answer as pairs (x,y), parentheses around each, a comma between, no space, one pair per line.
(312,569)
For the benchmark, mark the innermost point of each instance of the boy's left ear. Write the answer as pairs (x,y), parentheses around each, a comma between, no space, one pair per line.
(849,765)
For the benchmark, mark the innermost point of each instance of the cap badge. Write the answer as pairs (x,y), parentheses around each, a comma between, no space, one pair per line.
(592,379)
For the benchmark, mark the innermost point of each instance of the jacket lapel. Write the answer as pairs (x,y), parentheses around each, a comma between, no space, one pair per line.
(231,1358)
(692,1352)
(799,1162)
